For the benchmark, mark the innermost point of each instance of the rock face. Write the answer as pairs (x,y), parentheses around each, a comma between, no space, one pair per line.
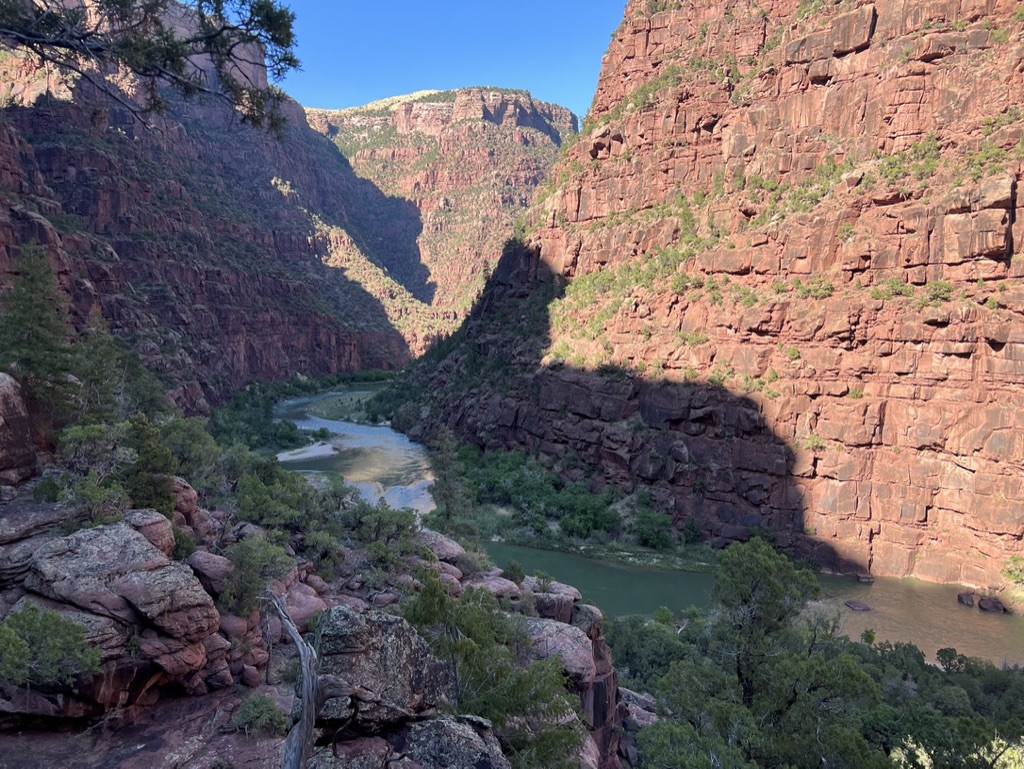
(152,618)
(793,251)
(17,440)
(382,653)
(568,629)
(195,240)
(458,167)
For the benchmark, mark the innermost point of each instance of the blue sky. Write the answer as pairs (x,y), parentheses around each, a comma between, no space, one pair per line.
(356,52)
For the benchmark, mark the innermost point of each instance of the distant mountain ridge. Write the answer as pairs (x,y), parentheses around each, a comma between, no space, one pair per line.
(468,161)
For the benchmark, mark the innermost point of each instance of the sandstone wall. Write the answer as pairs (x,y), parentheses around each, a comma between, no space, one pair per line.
(193,238)
(17,438)
(793,240)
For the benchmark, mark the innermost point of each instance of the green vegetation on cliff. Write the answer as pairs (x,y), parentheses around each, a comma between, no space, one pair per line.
(488,651)
(35,337)
(39,647)
(156,41)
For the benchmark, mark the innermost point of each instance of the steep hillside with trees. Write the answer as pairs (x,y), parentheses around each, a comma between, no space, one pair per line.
(195,238)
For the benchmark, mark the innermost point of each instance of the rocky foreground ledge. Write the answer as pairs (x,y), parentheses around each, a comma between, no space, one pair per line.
(175,667)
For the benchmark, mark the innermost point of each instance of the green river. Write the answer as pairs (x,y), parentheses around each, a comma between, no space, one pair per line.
(385,464)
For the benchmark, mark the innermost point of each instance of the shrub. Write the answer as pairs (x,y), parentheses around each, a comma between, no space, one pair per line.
(691,531)
(41,647)
(260,715)
(324,551)
(196,454)
(148,479)
(381,523)
(184,544)
(892,288)
(1014,570)
(101,503)
(653,529)
(814,443)
(473,562)
(47,490)
(529,706)
(514,572)
(256,561)
(544,581)
(663,616)
(940,291)
(816,288)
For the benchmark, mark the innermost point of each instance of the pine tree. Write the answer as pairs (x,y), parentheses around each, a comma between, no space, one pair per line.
(449,489)
(34,338)
(99,366)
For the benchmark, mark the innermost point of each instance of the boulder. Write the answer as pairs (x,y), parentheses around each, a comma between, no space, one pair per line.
(172,599)
(444,548)
(993,605)
(436,743)
(78,569)
(17,439)
(556,606)
(569,643)
(642,709)
(232,626)
(452,743)
(24,518)
(590,754)
(551,586)
(155,527)
(966,598)
(452,584)
(361,753)
(186,500)
(212,570)
(497,586)
(384,654)
(303,604)
(589,619)
(115,572)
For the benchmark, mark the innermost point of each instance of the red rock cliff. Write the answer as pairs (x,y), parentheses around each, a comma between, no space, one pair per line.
(195,239)
(465,164)
(798,226)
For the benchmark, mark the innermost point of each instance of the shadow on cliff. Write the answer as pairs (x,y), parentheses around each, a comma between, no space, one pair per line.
(384,228)
(698,449)
(184,238)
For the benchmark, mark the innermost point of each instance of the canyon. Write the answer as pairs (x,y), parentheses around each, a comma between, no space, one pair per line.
(776,284)
(223,255)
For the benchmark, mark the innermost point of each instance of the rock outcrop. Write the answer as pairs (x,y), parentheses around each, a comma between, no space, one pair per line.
(153,618)
(458,167)
(792,245)
(158,629)
(568,629)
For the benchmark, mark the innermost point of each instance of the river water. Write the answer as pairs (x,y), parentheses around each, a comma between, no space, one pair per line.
(382,463)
